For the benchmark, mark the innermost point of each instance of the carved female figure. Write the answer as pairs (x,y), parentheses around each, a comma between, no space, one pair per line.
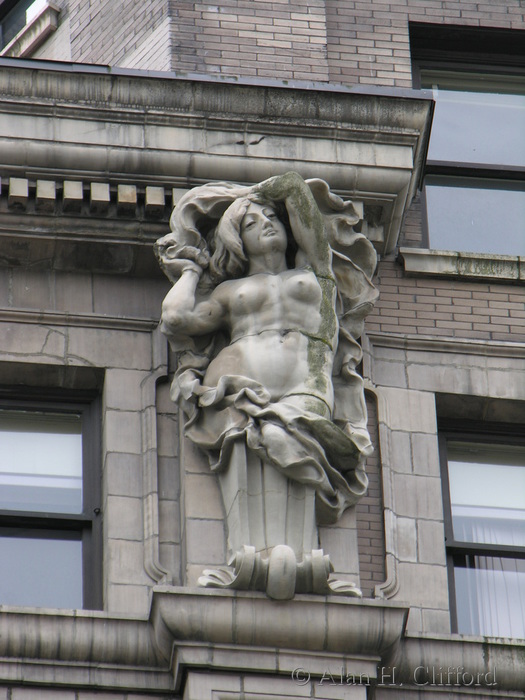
(266,308)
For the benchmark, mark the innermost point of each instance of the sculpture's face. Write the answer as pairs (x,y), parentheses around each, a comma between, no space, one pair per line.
(262,231)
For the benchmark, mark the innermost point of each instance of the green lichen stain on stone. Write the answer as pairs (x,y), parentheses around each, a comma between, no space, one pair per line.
(328,325)
(320,349)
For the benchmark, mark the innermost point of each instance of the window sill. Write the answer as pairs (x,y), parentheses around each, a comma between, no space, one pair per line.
(33,34)
(445,263)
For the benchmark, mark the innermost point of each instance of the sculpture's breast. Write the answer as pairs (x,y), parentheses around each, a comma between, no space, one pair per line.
(250,296)
(303,287)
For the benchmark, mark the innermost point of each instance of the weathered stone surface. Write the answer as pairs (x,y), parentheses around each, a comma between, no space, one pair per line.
(418,496)
(18,193)
(73,194)
(45,195)
(100,197)
(293,466)
(411,411)
(155,201)
(126,199)
(123,432)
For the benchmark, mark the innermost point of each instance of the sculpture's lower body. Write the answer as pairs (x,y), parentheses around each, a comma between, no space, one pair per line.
(276,516)
(282,470)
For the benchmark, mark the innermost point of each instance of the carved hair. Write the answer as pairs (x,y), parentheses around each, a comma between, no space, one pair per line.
(229,260)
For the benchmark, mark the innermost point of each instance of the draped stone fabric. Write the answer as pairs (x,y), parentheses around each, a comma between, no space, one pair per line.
(303,446)
(326,454)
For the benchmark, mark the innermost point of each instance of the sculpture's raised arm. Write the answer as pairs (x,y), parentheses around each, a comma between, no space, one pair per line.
(306,221)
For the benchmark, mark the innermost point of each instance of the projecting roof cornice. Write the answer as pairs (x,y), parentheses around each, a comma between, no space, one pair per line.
(65,122)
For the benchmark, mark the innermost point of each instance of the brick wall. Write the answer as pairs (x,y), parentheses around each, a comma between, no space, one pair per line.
(277,39)
(104,32)
(154,52)
(368,40)
(447,308)
(341,41)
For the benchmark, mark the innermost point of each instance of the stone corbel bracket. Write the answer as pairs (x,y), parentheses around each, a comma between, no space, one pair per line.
(231,630)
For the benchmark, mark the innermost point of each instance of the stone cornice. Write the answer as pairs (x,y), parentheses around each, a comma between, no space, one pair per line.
(94,124)
(57,318)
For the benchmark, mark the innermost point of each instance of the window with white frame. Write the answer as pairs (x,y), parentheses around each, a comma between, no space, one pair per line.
(49,504)
(484,496)
(474,187)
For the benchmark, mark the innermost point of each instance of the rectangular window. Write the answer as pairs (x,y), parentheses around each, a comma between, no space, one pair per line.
(49,504)
(475,215)
(474,186)
(479,126)
(484,490)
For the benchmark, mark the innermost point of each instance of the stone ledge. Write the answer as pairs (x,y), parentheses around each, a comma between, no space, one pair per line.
(308,623)
(222,633)
(33,34)
(432,343)
(445,263)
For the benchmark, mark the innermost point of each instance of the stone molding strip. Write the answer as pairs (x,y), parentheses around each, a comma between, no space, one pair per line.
(432,343)
(445,263)
(57,318)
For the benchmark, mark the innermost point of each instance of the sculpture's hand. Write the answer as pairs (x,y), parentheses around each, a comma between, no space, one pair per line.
(175,260)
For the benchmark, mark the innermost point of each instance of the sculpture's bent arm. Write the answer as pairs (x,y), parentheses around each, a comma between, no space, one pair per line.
(306,220)
(181,313)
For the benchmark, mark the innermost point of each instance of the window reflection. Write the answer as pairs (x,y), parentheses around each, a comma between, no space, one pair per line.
(487,494)
(40,462)
(479,128)
(487,507)
(476,216)
(490,596)
(41,568)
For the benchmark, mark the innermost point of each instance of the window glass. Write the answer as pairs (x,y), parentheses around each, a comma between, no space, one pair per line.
(475,215)
(490,596)
(486,536)
(40,462)
(478,128)
(53,559)
(487,493)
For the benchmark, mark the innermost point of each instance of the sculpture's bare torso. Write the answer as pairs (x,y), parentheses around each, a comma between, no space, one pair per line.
(275,326)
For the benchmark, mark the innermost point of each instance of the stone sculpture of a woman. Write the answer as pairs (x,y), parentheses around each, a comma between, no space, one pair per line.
(271,284)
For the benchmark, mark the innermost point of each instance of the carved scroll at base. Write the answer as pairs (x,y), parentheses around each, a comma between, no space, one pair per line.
(280,575)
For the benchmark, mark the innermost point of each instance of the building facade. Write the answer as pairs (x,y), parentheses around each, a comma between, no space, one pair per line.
(110,113)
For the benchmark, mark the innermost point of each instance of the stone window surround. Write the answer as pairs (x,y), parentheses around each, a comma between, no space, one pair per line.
(408,444)
(33,34)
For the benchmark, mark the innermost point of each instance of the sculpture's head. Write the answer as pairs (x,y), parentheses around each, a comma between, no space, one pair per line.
(248,227)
